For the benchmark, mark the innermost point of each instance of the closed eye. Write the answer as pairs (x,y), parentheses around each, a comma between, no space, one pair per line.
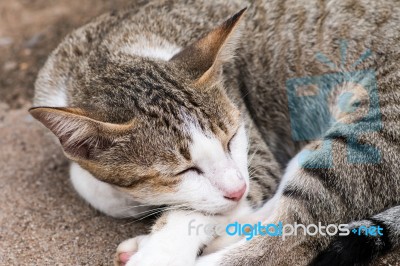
(230,141)
(195,169)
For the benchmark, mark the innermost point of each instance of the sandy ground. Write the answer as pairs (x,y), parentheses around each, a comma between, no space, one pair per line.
(42,220)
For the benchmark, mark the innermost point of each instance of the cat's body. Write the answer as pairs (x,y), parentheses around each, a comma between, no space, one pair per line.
(100,69)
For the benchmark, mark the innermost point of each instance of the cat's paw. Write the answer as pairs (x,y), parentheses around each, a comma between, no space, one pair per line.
(127,249)
(160,252)
(152,257)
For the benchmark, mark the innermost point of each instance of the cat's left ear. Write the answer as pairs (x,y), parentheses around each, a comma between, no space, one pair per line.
(204,58)
(82,138)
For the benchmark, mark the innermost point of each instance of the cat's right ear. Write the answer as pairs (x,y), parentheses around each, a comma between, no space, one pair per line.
(204,58)
(81,137)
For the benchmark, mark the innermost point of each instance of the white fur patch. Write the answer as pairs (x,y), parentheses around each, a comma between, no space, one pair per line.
(50,89)
(103,196)
(173,244)
(58,99)
(153,47)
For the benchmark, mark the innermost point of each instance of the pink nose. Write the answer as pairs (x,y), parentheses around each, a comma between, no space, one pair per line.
(235,195)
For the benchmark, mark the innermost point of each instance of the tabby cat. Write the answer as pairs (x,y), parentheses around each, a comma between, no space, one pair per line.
(162,107)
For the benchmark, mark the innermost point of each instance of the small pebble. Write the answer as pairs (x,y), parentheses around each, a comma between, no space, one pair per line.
(4,106)
(10,65)
(33,41)
(27,52)
(23,66)
(6,41)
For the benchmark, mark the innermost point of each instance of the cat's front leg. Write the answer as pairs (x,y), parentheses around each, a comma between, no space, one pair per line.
(175,240)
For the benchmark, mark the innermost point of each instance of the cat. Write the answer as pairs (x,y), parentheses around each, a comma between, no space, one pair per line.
(162,107)
(151,127)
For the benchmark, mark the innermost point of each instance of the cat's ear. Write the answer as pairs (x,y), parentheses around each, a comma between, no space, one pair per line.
(204,58)
(81,137)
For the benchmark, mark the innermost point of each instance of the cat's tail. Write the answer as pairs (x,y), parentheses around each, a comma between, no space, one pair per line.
(368,239)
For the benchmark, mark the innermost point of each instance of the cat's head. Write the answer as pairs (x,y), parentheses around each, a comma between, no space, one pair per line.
(184,142)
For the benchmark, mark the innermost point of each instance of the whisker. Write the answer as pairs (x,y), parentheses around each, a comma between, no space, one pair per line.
(252,156)
(144,212)
(137,206)
(156,211)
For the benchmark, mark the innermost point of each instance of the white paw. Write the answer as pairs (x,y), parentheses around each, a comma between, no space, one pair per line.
(160,253)
(128,248)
